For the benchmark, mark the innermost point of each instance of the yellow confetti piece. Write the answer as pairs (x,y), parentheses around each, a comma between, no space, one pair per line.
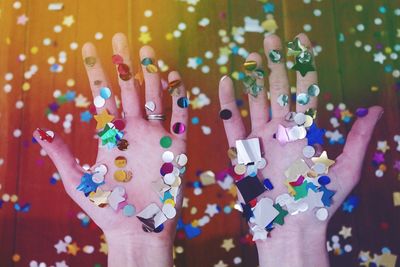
(396,199)
(70,82)
(26,86)
(34,50)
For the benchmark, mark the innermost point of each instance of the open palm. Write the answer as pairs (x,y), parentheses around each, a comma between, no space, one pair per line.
(130,165)
(281,155)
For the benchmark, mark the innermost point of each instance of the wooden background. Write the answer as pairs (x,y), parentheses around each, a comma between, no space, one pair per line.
(347,74)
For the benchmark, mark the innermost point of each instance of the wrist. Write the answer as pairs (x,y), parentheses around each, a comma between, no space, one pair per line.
(131,250)
(306,247)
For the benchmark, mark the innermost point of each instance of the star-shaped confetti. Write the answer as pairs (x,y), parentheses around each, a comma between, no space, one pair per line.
(22,20)
(145,37)
(383,146)
(281,216)
(345,232)
(327,196)
(220,264)
(103,119)
(61,264)
(295,47)
(100,197)
(86,116)
(379,57)
(73,249)
(323,158)
(211,210)
(227,244)
(301,191)
(315,135)
(303,68)
(81,102)
(61,247)
(68,21)
(378,157)
(103,248)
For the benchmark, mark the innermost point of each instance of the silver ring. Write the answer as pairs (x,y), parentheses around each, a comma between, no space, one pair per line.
(156,117)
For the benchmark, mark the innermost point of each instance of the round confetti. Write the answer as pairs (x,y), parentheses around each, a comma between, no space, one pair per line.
(122,144)
(275,56)
(119,124)
(324,180)
(169,178)
(98,178)
(322,214)
(129,210)
(169,211)
(166,168)
(303,99)
(313,90)
(120,161)
(283,100)
(181,160)
(99,102)
(261,164)
(120,175)
(240,169)
(183,102)
(225,114)
(178,128)
(146,61)
(299,118)
(117,59)
(159,228)
(361,112)
(105,92)
(168,156)
(166,142)
(308,152)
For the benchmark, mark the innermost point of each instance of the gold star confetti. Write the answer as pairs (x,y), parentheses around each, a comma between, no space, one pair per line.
(228,244)
(396,199)
(345,232)
(68,21)
(220,264)
(103,248)
(145,37)
(100,197)
(73,249)
(324,160)
(103,119)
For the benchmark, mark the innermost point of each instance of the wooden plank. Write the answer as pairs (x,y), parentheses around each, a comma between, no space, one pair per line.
(12,44)
(62,220)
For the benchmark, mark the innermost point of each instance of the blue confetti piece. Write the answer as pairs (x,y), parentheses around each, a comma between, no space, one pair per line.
(191,231)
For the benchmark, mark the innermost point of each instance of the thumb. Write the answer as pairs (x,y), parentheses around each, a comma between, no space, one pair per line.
(60,155)
(349,163)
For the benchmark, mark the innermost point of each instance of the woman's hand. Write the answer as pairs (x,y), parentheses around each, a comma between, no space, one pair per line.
(138,161)
(294,164)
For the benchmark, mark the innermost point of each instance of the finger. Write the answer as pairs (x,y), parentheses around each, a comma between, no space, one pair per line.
(152,81)
(278,79)
(349,163)
(258,104)
(102,94)
(304,82)
(61,156)
(233,123)
(129,92)
(180,104)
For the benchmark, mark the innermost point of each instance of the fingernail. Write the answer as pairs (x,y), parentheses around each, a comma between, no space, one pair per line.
(47,136)
(380,115)
(223,78)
